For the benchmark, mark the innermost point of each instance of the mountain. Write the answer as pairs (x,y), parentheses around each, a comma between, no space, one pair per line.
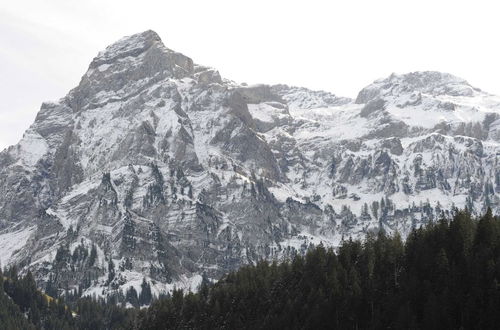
(156,167)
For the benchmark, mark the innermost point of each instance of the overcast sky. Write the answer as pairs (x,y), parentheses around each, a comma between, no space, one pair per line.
(338,46)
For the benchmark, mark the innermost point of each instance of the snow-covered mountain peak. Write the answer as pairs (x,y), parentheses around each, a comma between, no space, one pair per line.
(131,64)
(429,100)
(428,82)
(128,46)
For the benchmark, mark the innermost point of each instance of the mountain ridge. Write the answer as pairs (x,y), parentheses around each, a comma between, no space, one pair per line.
(169,171)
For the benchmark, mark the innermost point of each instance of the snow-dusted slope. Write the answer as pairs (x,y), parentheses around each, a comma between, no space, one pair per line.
(167,171)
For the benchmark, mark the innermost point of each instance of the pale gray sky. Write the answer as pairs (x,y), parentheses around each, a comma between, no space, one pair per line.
(339,46)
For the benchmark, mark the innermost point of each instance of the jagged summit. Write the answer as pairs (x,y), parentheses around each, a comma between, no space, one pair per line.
(166,171)
(130,64)
(128,46)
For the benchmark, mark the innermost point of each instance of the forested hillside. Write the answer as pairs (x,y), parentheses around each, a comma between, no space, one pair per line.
(23,306)
(445,276)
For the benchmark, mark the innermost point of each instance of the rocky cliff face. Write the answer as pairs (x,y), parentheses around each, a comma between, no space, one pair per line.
(156,167)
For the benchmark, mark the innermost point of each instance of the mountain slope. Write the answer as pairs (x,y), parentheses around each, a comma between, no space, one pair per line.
(156,167)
